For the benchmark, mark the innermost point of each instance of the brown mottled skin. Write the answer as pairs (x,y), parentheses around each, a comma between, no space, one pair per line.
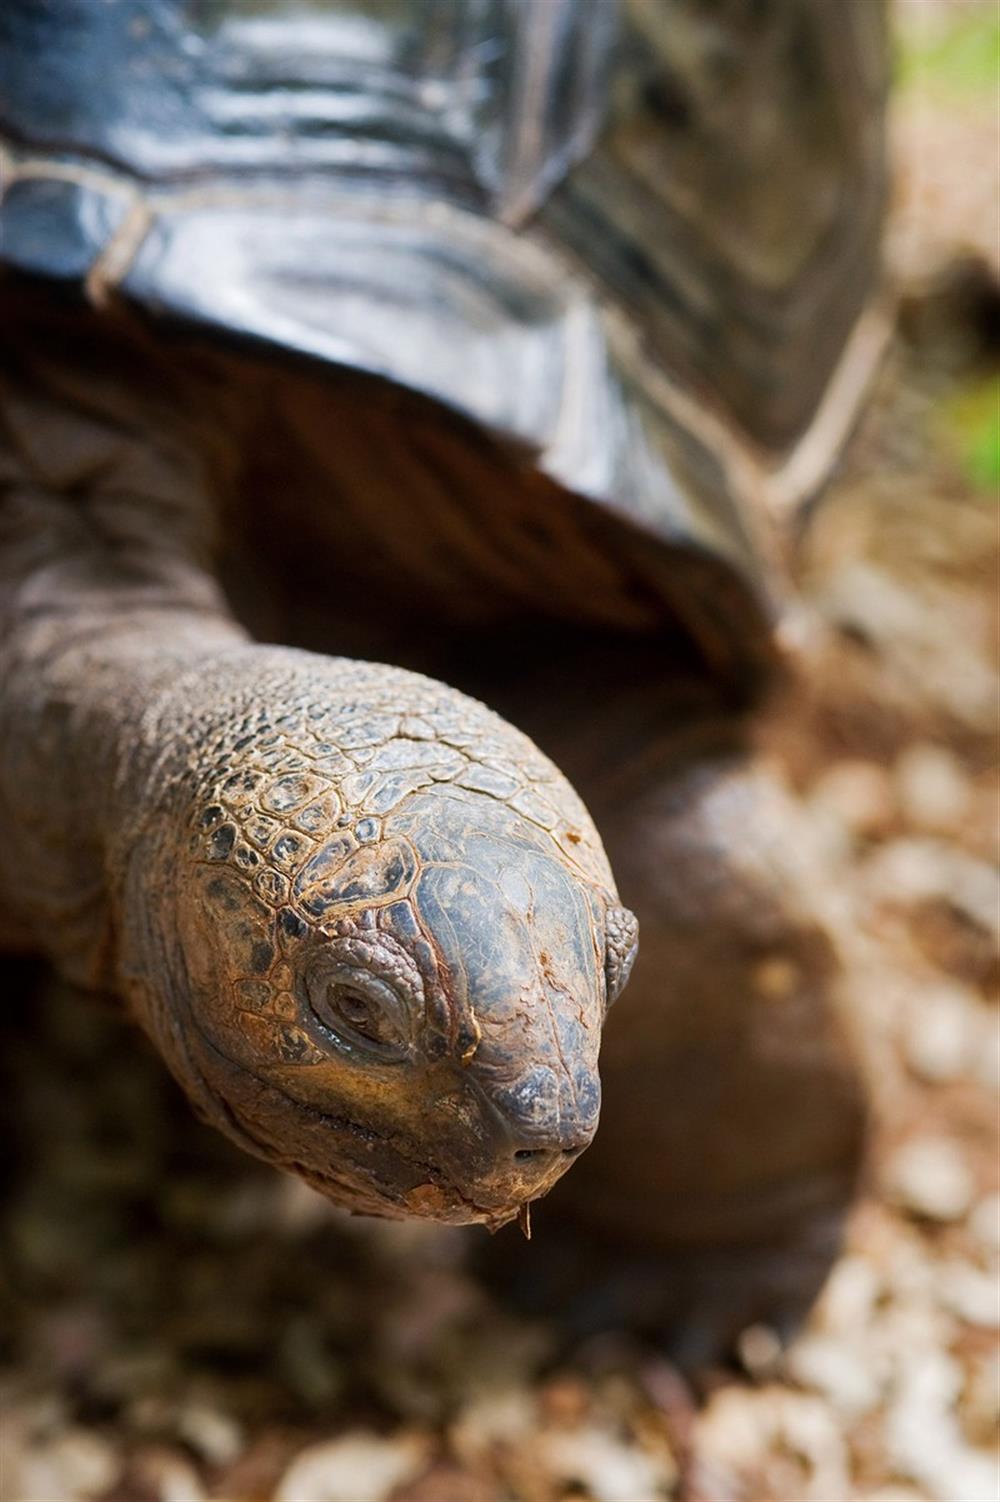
(371,929)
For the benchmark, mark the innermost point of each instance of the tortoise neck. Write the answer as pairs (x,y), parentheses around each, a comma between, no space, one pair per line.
(105,599)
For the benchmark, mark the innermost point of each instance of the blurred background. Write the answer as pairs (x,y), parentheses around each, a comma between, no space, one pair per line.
(180,1324)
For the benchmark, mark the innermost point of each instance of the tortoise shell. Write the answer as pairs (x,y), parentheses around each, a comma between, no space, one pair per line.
(656,362)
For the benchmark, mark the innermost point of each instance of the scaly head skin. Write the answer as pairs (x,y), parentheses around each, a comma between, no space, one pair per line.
(375,934)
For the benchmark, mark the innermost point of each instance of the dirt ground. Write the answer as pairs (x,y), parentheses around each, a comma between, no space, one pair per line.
(180,1325)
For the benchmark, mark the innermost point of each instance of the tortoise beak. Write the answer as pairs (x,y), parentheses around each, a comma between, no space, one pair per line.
(547,1113)
(539,1125)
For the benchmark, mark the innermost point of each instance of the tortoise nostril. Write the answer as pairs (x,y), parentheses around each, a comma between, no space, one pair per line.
(529,1154)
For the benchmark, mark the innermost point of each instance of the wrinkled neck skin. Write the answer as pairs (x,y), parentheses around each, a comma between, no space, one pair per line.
(369,926)
(107,608)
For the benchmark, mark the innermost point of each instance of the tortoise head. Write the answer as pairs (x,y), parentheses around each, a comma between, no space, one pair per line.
(404,1008)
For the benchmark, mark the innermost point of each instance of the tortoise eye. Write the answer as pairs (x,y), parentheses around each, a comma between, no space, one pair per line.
(354,1008)
(361,1011)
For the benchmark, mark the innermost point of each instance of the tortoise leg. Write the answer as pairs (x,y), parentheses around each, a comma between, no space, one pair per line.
(733,1116)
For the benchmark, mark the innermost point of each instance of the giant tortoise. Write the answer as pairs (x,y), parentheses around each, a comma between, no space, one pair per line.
(477,341)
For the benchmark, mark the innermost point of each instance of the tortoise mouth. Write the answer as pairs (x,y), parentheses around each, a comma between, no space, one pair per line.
(435,1196)
(412,1185)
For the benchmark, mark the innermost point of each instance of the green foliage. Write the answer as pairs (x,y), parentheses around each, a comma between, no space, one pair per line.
(956,53)
(972,427)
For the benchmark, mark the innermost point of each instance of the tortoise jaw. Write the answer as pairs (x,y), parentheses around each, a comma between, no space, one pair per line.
(432,1202)
(494,1202)
(428,1201)
(404,1184)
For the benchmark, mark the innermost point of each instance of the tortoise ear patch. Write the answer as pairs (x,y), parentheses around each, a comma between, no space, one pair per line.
(621,943)
(367,876)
